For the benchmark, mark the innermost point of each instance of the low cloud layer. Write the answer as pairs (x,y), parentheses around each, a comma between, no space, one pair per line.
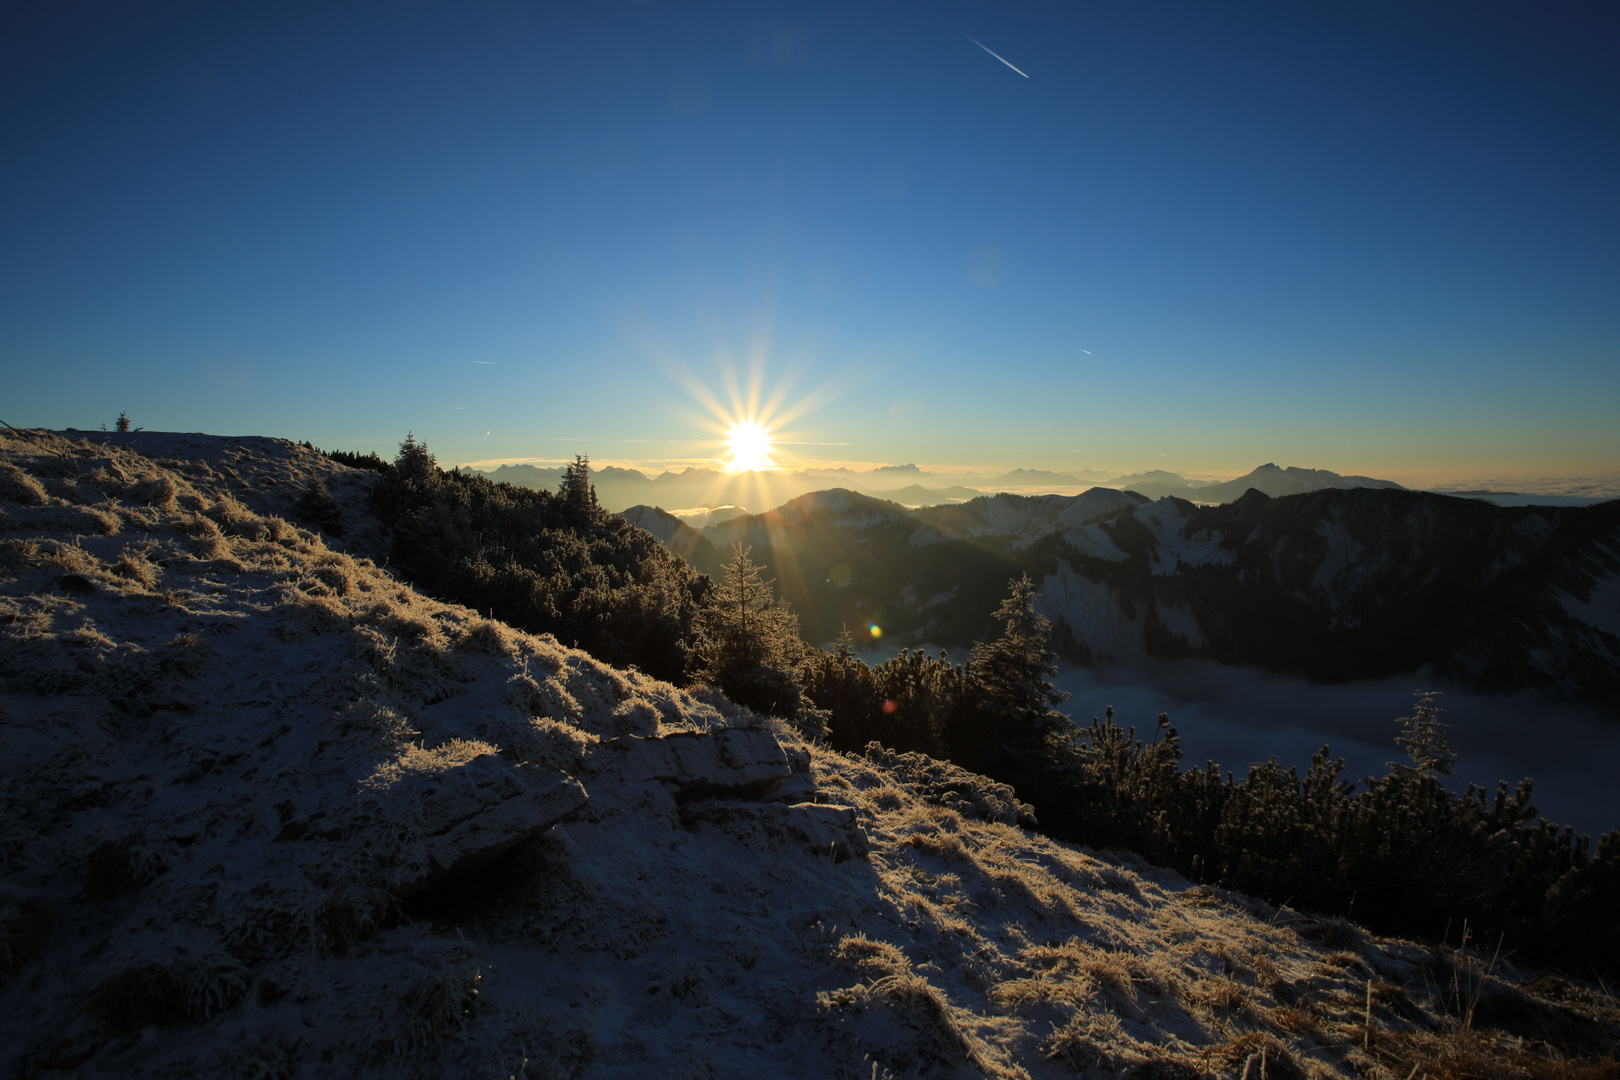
(1236,716)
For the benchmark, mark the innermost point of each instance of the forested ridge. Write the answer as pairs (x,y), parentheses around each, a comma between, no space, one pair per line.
(1399,853)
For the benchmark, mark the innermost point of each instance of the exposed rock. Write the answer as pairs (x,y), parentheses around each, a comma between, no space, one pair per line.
(824,830)
(800,787)
(477,811)
(737,762)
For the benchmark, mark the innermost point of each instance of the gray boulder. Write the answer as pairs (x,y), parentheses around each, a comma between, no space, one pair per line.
(470,814)
(833,831)
(737,762)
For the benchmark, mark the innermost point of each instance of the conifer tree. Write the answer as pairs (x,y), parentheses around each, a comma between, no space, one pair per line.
(1016,670)
(578,493)
(415,463)
(747,641)
(317,508)
(1427,739)
(1019,729)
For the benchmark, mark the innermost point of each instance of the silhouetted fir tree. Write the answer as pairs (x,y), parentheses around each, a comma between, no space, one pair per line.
(122,423)
(415,463)
(746,641)
(1017,733)
(1427,739)
(318,509)
(578,493)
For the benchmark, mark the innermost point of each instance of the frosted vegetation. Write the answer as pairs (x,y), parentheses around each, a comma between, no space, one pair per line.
(271,808)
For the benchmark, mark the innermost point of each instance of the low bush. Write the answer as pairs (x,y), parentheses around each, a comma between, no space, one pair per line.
(542,562)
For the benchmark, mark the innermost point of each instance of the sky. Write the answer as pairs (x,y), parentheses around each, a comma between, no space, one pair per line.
(1379,239)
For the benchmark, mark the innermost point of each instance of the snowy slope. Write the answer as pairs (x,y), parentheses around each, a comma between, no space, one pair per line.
(229,751)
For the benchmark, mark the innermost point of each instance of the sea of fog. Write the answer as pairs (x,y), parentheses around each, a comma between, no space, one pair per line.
(1237,716)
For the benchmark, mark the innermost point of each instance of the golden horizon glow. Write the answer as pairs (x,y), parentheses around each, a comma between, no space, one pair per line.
(751,445)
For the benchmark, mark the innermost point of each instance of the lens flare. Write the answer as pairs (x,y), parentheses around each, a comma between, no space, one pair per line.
(876,631)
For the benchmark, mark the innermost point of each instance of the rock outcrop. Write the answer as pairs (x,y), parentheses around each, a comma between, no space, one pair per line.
(737,762)
(477,811)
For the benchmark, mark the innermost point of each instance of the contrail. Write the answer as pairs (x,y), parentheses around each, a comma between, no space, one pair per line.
(487,363)
(1086,351)
(991,51)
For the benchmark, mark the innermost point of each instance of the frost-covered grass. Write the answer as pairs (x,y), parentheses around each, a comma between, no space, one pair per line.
(209,712)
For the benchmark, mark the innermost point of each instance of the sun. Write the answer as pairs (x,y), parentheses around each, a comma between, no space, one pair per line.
(750,443)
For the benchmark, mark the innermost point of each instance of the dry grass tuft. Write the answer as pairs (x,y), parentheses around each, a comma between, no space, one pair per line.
(1337,933)
(380,724)
(1253,1055)
(184,655)
(199,525)
(912,1027)
(1464,1054)
(122,866)
(20,552)
(106,522)
(872,957)
(234,519)
(416,670)
(1295,1021)
(543,739)
(1039,990)
(1223,996)
(134,566)
(1090,1039)
(158,491)
(21,488)
(440,1001)
(188,988)
(414,627)
(881,799)
(25,924)
(71,557)
(947,847)
(487,638)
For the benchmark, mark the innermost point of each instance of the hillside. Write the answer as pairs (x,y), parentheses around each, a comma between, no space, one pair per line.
(1335,584)
(270,812)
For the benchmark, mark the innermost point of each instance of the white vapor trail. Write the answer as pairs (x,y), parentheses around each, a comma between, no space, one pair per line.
(1086,351)
(991,51)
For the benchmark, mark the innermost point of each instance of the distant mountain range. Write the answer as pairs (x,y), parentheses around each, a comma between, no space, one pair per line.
(1334,584)
(1021,478)
(695,488)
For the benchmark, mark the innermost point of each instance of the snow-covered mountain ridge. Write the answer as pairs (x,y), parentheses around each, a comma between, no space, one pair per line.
(1335,584)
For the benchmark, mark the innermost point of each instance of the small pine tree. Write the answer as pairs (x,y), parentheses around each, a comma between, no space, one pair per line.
(318,508)
(578,493)
(1019,724)
(1017,668)
(123,422)
(415,463)
(1427,738)
(747,641)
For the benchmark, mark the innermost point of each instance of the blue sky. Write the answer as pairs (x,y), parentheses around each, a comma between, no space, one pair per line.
(1377,239)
